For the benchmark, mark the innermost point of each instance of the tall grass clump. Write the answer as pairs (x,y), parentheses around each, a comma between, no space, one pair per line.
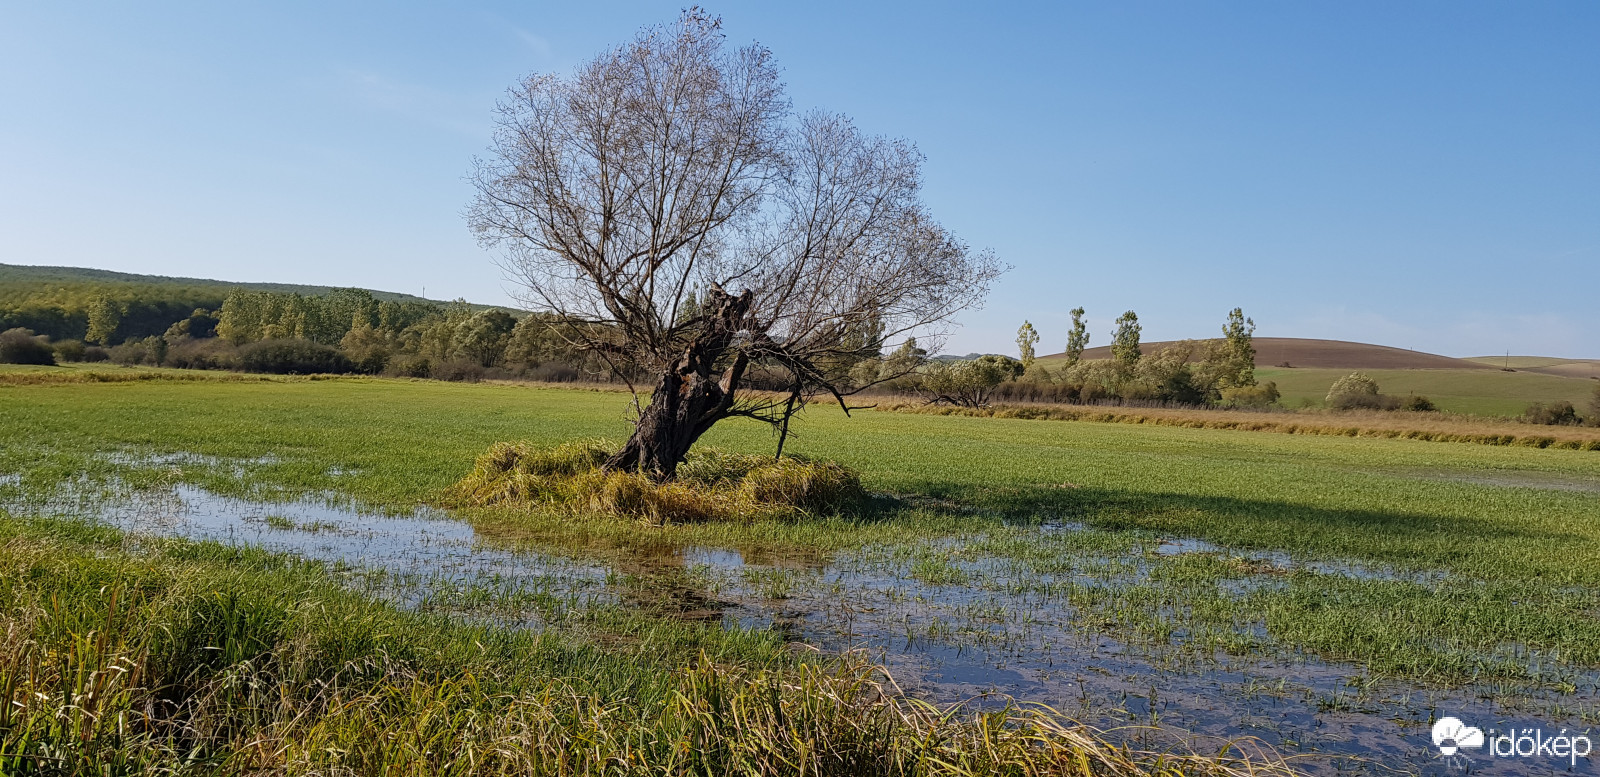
(710,485)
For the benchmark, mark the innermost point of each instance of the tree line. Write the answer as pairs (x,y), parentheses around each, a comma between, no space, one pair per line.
(65,311)
(343,331)
(1192,372)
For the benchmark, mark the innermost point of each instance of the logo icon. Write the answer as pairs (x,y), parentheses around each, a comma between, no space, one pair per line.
(1451,736)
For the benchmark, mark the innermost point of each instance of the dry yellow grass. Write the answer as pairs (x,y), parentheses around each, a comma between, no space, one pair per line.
(1437,427)
(45,376)
(710,485)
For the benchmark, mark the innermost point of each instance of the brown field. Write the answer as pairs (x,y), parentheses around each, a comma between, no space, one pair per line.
(1437,427)
(1544,365)
(1337,354)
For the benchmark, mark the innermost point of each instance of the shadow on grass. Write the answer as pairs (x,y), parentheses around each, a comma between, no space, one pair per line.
(656,566)
(1494,546)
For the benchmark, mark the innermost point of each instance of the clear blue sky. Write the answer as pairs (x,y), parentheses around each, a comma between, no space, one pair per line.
(1424,175)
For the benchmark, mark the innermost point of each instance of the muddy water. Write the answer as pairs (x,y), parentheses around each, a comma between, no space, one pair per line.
(985,643)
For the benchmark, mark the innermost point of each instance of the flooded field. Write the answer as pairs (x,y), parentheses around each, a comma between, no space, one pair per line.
(1101,626)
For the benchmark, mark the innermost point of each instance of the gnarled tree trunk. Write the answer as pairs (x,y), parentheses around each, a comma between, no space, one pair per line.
(691,395)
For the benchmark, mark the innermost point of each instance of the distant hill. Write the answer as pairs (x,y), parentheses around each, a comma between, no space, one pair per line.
(1334,354)
(55,301)
(1476,385)
(1544,365)
(14,275)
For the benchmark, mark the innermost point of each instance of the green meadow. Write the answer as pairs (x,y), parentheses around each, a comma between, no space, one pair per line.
(1439,565)
(1478,392)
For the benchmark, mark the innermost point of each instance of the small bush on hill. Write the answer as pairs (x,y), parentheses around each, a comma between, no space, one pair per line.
(1357,390)
(1418,404)
(20,346)
(1354,384)
(1559,413)
(292,357)
(711,485)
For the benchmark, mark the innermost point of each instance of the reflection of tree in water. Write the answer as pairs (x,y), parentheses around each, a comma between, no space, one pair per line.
(659,581)
(662,581)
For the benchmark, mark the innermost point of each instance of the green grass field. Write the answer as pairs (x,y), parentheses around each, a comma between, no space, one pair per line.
(1479,392)
(1493,531)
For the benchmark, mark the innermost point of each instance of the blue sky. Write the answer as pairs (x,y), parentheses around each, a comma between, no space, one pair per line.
(1423,175)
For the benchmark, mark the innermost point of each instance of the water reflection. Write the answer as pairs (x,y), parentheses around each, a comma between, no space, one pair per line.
(985,630)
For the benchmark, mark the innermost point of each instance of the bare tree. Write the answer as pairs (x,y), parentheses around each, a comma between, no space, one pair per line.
(673,163)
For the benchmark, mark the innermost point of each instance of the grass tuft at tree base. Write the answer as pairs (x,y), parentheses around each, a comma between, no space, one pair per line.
(712,485)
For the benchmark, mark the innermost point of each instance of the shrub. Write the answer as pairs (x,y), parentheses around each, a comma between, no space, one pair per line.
(20,346)
(461,370)
(1418,404)
(1036,373)
(1259,395)
(212,353)
(1097,379)
(1559,413)
(292,357)
(200,325)
(1356,383)
(409,366)
(1034,391)
(968,383)
(1168,376)
(1594,408)
(369,361)
(69,350)
(711,485)
(149,350)
(1089,393)
(552,372)
(127,354)
(1357,390)
(94,353)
